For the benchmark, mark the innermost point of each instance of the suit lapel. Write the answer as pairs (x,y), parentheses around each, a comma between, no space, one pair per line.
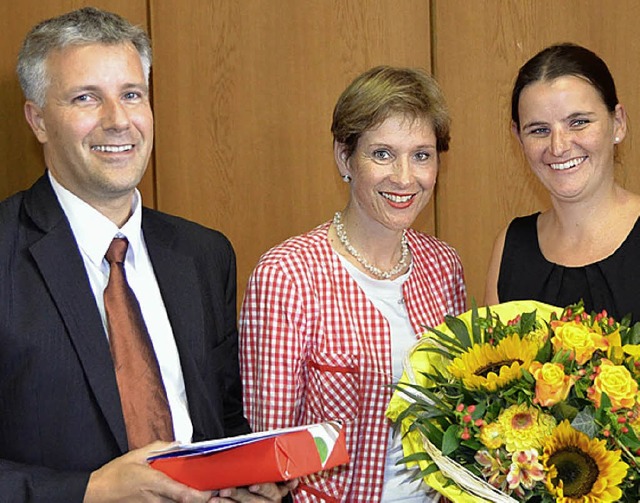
(56,254)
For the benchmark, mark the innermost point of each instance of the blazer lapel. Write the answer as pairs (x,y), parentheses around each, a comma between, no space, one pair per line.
(56,254)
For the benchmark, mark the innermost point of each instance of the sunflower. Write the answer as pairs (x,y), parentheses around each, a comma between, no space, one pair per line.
(580,469)
(490,367)
(525,427)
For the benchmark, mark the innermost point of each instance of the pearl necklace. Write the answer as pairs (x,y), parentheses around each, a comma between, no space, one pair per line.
(378,273)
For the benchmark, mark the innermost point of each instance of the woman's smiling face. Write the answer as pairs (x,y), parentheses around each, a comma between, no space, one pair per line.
(568,135)
(393,169)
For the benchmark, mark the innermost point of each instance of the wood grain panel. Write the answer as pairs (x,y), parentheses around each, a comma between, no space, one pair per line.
(243,100)
(21,160)
(487,181)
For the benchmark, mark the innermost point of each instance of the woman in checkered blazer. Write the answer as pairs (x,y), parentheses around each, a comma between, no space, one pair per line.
(328,316)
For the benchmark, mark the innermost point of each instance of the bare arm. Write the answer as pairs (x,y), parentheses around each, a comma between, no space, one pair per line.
(491,286)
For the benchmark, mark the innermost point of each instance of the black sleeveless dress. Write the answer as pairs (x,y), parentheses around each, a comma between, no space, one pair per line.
(612,284)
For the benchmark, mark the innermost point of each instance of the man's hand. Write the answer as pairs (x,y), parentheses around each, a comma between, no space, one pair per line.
(129,478)
(259,493)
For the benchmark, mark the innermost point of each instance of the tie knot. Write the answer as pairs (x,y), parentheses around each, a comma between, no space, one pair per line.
(117,250)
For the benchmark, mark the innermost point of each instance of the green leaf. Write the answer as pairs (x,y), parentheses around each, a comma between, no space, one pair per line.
(429,470)
(444,338)
(605,405)
(528,376)
(563,410)
(459,328)
(415,457)
(432,468)
(476,333)
(445,351)
(544,353)
(585,422)
(430,431)
(633,335)
(474,445)
(527,322)
(435,401)
(479,412)
(630,440)
(451,439)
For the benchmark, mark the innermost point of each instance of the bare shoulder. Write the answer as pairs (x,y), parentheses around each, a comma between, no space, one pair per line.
(493,271)
(498,244)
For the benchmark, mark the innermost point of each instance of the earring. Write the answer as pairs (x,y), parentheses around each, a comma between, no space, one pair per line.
(346,178)
(617,140)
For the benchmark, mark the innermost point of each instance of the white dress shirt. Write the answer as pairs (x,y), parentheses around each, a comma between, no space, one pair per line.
(93,233)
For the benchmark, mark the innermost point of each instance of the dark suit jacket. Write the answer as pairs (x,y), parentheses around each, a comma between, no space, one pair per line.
(60,413)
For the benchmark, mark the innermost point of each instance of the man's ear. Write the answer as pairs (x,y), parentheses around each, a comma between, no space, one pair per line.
(34,116)
(341,156)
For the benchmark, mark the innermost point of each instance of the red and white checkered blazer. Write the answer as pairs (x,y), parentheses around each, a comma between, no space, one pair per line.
(314,348)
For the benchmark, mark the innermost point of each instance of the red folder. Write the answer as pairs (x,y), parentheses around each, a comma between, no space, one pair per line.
(274,456)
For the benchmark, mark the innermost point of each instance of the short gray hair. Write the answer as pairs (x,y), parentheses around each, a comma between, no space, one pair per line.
(79,27)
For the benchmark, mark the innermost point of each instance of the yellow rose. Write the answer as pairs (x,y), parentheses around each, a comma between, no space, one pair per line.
(617,383)
(577,338)
(552,384)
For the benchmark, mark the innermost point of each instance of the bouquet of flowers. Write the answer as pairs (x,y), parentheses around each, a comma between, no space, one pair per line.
(524,402)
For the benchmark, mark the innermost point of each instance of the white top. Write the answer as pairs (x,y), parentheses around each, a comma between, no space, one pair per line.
(93,233)
(386,296)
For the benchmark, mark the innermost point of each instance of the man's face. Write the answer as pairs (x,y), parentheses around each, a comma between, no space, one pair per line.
(96,126)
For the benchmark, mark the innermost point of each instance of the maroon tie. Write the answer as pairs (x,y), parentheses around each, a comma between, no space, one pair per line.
(145,407)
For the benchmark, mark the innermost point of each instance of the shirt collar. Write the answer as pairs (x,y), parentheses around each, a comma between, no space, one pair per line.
(93,231)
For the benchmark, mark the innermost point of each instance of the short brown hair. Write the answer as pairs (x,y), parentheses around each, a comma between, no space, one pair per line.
(384,91)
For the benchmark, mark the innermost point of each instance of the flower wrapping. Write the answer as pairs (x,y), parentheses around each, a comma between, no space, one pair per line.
(523,401)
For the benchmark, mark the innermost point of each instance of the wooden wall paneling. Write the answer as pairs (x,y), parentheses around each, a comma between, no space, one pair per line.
(486,181)
(21,162)
(243,96)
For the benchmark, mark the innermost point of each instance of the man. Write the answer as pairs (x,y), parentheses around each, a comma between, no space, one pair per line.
(65,433)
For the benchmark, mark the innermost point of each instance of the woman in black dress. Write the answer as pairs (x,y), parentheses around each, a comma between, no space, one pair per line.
(568,120)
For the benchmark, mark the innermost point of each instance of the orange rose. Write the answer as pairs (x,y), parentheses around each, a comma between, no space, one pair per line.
(552,384)
(617,383)
(577,338)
